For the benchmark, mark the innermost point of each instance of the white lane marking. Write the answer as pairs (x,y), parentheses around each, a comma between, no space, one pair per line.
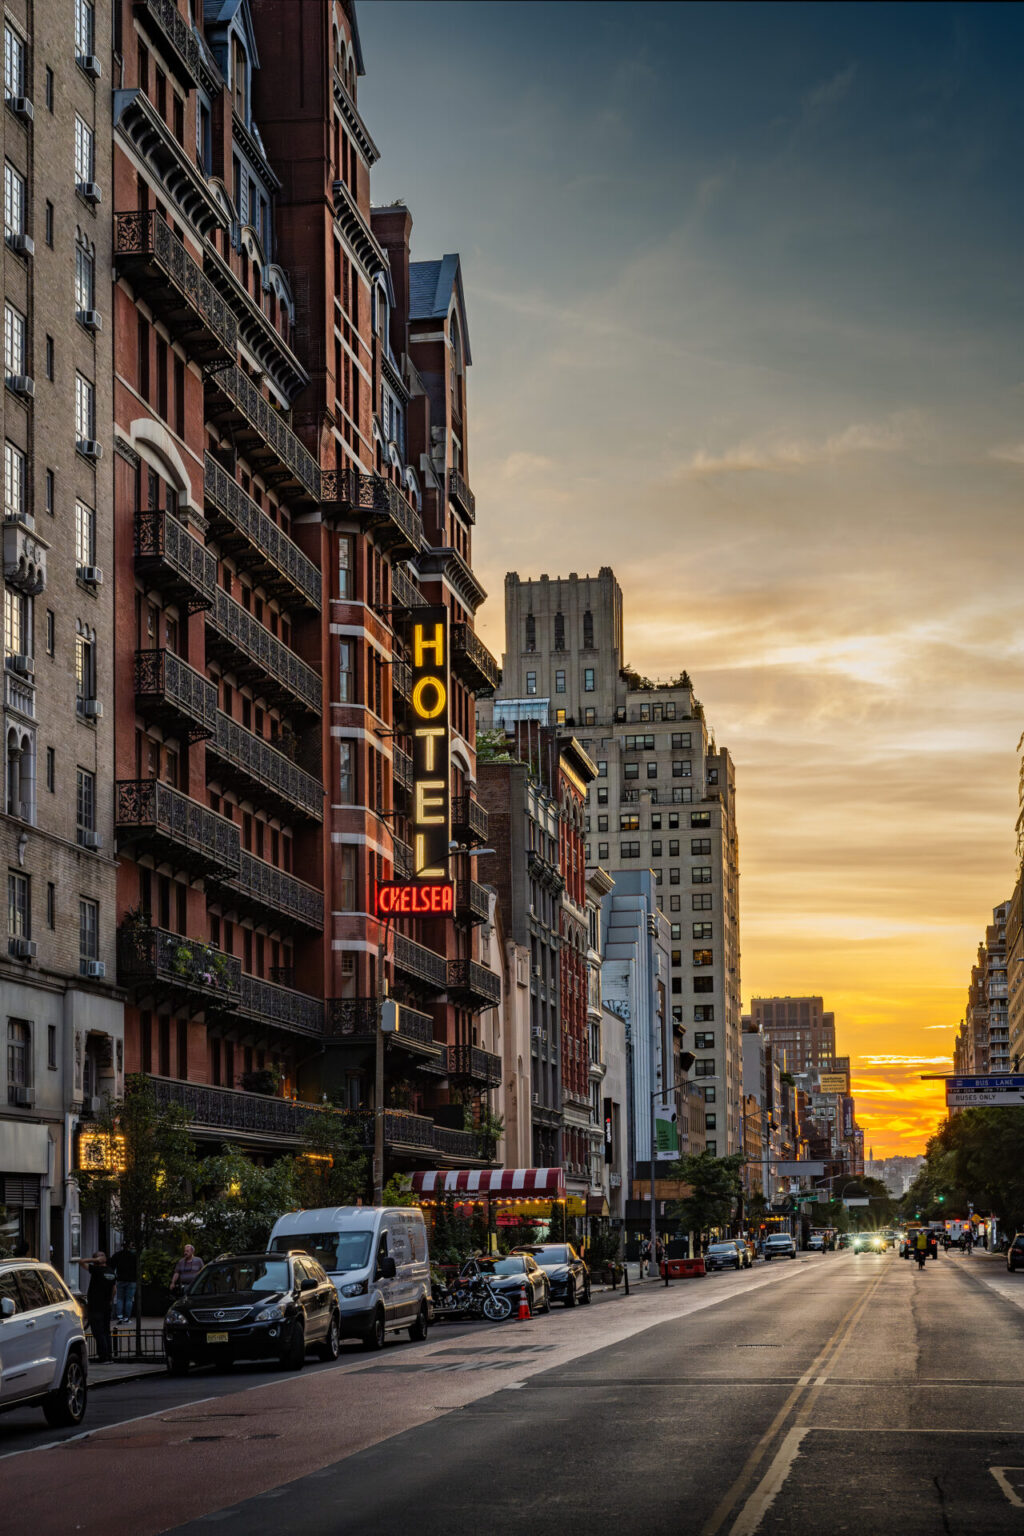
(999,1473)
(770,1486)
(87,1434)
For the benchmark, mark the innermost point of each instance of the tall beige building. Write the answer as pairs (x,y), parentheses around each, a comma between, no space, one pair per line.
(664,799)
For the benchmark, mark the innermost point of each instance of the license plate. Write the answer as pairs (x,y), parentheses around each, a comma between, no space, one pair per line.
(216,1338)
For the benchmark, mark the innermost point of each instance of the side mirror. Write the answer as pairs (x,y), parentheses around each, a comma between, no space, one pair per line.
(309,1284)
(7,1308)
(387,1268)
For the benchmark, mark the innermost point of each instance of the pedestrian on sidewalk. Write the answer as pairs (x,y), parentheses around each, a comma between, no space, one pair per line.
(186,1269)
(645,1257)
(125,1264)
(98,1299)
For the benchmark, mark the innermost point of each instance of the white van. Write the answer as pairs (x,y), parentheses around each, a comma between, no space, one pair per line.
(377,1258)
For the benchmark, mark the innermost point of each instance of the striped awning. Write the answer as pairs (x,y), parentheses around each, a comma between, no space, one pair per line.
(491,1181)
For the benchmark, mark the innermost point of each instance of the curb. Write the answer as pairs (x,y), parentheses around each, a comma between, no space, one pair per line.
(135,1374)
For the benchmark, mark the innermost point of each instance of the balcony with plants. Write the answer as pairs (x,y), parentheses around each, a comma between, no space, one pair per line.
(159,965)
(248,1116)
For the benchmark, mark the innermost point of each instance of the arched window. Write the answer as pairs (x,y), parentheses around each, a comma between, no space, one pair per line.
(240,80)
(531,632)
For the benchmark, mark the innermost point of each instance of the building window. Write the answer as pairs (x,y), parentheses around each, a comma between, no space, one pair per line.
(701,902)
(240,80)
(602,823)
(50,359)
(531,632)
(705,1068)
(709,1095)
(85,535)
(15,481)
(84,27)
(629,823)
(588,679)
(51,1047)
(531,683)
(657,877)
(346,690)
(14,63)
(700,874)
(704,1013)
(85,409)
(345,782)
(19,916)
(602,850)
(559,681)
(88,933)
(656,848)
(86,804)
(14,341)
(673,903)
(700,845)
(17,623)
(712,775)
(589,716)
(681,740)
(673,877)
(702,930)
(652,770)
(84,277)
(19,1060)
(682,769)
(85,152)
(700,818)
(48,89)
(14,202)
(588,631)
(85,671)
(602,795)
(703,984)
(631,770)
(704,1040)
(703,957)
(349,872)
(345,573)
(673,847)
(51,769)
(48,224)
(629,850)
(51,631)
(48,483)
(559,716)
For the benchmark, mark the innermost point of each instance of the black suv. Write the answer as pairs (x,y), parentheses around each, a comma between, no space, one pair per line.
(1015,1254)
(254,1306)
(566,1271)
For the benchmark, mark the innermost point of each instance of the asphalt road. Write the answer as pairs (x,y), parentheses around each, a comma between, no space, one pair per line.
(839,1393)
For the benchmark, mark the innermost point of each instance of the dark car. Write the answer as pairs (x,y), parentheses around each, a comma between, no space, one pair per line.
(254,1306)
(567,1273)
(1015,1254)
(510,1275)
(723,1256)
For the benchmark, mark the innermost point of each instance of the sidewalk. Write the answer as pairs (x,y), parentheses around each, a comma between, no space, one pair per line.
(124,1366)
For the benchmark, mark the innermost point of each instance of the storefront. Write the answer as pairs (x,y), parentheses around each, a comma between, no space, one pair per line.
(503,1196)
(26,1164)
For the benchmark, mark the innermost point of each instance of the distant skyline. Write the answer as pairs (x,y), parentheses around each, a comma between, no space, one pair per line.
(745,305)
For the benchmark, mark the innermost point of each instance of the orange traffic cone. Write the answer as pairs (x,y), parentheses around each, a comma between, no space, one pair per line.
(524,1306)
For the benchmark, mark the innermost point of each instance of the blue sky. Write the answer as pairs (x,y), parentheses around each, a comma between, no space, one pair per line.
(745,298)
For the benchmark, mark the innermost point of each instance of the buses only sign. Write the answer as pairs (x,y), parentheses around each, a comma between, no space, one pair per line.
(968,1092)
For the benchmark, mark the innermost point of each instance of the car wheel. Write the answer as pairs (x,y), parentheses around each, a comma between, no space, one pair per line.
(570,1294)
(792,1255)
(293,1356)
(546,1303)
(331,1346)
(374,1337)
(65,1406)
(1010,1266)
(585,1298)
(418,1331)
(767,1258)
(177,1361)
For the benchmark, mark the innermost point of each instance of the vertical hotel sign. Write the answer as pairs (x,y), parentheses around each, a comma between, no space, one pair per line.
(431,745)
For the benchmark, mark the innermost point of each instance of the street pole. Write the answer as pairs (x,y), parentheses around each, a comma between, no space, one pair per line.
(378,1072)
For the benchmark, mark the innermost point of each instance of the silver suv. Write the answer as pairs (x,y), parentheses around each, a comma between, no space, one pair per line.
(779,1245)
(43,1356)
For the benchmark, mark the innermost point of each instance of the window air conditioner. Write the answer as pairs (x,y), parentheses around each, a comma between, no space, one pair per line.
(92,840)
(92,709)
(537,970)
(21,107)
(23,665)
(23,519)
(91,319)
(24,1097)
(90,64)
(95,968)
(24,949)
(23,244)
(89,448)
(21,384)
(535,1097)
(94,1104)
(90,574)
(91,191)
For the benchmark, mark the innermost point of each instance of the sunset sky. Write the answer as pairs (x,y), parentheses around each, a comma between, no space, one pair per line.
(745,301)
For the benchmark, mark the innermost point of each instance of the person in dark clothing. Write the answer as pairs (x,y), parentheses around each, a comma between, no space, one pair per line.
(125,1267)
(98,1298)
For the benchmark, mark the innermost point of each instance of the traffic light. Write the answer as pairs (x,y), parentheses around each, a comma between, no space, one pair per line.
(942,1199)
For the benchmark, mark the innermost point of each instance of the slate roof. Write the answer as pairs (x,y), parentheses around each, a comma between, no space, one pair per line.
(430,291)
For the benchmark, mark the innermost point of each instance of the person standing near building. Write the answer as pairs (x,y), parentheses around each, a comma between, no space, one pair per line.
(186,1269)
(125,1265)
(98,1299)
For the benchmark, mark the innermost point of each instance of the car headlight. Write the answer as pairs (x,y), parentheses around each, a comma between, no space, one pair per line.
(356,1288)
(272,1314)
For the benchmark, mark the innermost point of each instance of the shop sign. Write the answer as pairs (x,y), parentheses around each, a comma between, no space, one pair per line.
(100,1151)
(609,1132)
(424,899)
(431,750)
(832,1082)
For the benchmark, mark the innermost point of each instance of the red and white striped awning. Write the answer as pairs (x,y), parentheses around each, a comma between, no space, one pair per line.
(491,1181)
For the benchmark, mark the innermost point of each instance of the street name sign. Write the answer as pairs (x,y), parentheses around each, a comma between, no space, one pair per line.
(965,1092)
(856,1200)
(798,1169)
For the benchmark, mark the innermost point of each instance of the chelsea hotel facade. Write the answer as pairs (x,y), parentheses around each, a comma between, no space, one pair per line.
(275,459)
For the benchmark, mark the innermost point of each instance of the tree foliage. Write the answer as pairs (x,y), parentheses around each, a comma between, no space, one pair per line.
(240,1203)
(715,1187)
(975,1157)
(159,1167)
(332,1168)
(493,746)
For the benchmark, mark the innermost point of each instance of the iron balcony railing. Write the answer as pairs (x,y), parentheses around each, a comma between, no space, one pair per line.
(178,830)
(471,901)
(254,650)
(404,592)
(271,440)
(280,1007)
(171,561)
(401,768)
(402,858)
(242,752)
(256,543)
(153,958)
(422,964)
(474,1063)
(463,1146)
(377,502)
(402,1129)
(473,984)
(273,890)
(469,819)
(401,679)
(228,1109)
(473,662)
(356,1019)
(460,493)
(173,35)
(160,268)
(168,689)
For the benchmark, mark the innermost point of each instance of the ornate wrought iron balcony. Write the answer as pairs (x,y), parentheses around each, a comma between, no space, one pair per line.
(355,1019)
(460,493)
(248,1115)
(161,270)
(402,858)
(404,593)
(401,682)
(420,963)
(175,39)
(473,985)
(256,543)
(378,504)
(154,962)
(463,1146)
(473,662)
(255,655)
(235,754)
(152,817)
(471,904)
(280,1007)
(401,769)
(474,1064)
(174,694)
(262,885)
(469,820)
(171,561)
(261,432)
(259,337)
(402,1131)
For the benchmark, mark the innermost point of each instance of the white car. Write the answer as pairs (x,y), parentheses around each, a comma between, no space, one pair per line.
(43,1353)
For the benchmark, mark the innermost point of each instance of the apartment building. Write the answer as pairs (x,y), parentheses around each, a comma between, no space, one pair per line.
(802,1035)
(664,798)
(61,1015)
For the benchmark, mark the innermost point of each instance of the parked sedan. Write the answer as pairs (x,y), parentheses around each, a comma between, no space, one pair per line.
(1015,1254)
(724,1256)
(567,1273)
(511,1274)
(254,1306)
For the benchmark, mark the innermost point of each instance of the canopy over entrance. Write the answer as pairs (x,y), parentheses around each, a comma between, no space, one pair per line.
(491,1181)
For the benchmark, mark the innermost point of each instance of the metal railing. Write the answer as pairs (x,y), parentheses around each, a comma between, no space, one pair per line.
(401,768)
(148,237)
(229,1109)
(404,593)
(474,982)
(153,955)
(291,454)
(401,1128)
(164,681)
(355,1018)
(276,891)
(470,815)
(471,899)
(460,493)
(283,1007)
(168,556)
(422,964)
(281,555)
(274,659)
(264,766)
(472,661)
(402,854)
(380,501)
(464,1146)
(474,1063)
(175,31)
(145,806)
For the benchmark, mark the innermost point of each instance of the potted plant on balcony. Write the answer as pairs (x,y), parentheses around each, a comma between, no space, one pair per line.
(265,1080)
(135,934)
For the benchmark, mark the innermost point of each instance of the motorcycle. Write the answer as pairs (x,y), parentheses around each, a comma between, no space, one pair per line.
(473,1297)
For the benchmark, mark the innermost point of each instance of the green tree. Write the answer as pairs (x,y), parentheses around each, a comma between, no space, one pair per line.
(332,1167)
(241,1202)
(398,1190)
(493,746)
(715,1187)
(978,1157)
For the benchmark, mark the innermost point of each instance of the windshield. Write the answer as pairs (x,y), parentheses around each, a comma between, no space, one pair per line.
(551,1256)
(501,1266)
(238,1276)
(722,1248)
(336,1251)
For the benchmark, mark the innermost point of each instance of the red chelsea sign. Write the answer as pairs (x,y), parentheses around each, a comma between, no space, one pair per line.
(424,899)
